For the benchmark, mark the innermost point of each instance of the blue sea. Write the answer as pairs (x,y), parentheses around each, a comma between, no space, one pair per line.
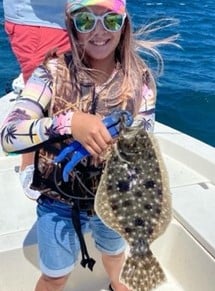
(186,90)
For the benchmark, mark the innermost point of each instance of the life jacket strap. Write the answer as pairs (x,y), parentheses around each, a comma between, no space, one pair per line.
(86,259)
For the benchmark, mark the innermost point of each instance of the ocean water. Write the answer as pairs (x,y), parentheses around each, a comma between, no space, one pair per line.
(186,90)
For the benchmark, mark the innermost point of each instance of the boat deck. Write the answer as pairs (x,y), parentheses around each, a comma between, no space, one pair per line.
(186,250)
(192,182)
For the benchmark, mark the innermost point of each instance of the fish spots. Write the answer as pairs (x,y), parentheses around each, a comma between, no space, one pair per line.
(159,192)
(158,211)
(128,230)
(149,184)
(126,203)
(115,206)
(139,222)
(138,194)
(137,170)
(123,186)
(109,187)
(148,206)
(150,230)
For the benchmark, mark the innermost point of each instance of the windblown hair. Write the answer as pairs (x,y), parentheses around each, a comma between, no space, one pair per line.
(129,50)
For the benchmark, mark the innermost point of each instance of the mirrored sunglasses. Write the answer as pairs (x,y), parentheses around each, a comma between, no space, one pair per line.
(86,21)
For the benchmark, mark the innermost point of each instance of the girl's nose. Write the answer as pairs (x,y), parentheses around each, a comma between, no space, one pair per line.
(99,26)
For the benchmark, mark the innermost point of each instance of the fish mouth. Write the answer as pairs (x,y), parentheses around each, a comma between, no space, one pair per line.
(124,152)
(128,146)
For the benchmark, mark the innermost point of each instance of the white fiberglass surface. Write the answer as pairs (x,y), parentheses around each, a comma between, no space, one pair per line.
(187,265)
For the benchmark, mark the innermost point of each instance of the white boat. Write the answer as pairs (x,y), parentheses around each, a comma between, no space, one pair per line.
(186,251)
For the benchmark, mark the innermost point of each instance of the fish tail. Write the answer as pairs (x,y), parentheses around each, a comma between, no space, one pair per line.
(142,274)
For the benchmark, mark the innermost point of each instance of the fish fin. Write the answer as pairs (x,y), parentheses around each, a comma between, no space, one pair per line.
(142,274)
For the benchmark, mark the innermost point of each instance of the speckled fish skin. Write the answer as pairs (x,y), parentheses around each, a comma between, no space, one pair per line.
(134,199)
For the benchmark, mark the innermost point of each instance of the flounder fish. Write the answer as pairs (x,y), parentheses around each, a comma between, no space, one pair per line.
(134,199)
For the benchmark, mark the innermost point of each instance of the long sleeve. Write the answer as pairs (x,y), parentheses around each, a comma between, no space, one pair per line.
(147,107)
(27,126)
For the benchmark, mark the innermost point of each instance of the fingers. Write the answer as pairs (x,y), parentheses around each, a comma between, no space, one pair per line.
(90,131)
(98,142)
(105,135)
(96,161)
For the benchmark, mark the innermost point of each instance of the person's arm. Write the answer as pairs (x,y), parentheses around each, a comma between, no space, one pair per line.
(26,126)
(147,107)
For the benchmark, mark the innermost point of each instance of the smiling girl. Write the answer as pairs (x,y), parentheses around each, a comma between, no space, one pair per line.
(65,100)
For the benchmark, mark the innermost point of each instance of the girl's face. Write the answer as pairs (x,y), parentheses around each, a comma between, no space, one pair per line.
(99,44)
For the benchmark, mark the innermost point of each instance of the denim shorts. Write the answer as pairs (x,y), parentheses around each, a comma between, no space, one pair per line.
(58,243)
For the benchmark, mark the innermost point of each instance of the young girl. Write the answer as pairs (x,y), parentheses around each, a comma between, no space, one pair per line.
(64,100)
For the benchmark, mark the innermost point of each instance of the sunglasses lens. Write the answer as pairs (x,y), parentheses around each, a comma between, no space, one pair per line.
(84,21)
(113,21)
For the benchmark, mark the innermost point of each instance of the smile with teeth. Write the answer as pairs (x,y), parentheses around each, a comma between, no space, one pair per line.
(99,43)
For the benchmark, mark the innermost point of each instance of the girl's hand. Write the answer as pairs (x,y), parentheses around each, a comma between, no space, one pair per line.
(90,131)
